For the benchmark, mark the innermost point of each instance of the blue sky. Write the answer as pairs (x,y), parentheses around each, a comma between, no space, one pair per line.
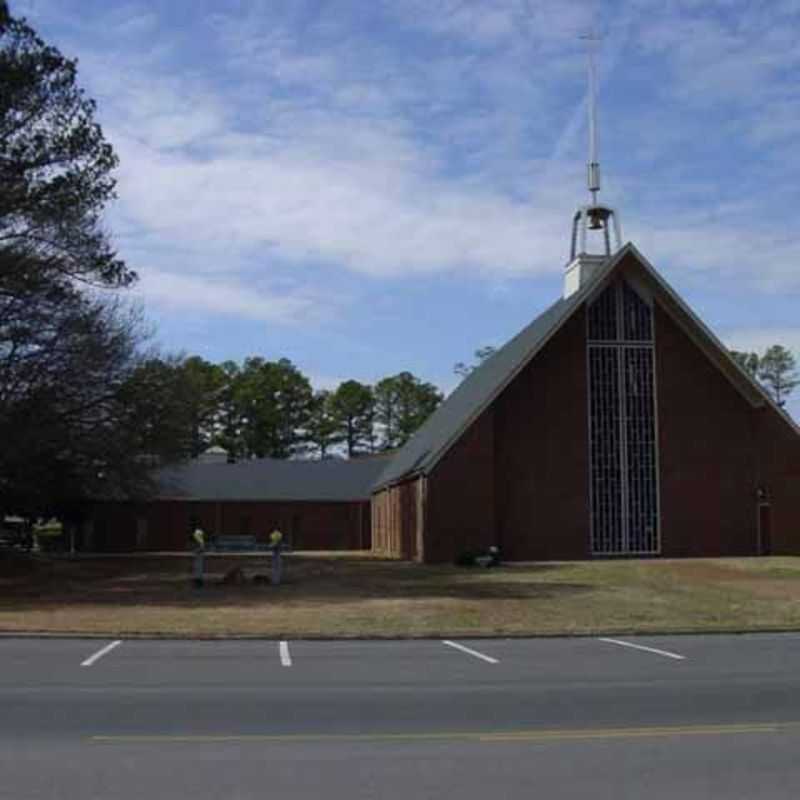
(369,186)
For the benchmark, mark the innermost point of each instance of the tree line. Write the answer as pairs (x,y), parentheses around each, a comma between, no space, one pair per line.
(76,412)
(261,408)
(87,405)
(775,369)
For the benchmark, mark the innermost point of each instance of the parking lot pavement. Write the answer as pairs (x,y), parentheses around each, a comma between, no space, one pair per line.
(401,718)
(40,662)
(765,654)
(34,661)
(351,686)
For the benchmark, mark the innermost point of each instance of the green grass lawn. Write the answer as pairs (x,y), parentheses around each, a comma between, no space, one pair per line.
(357,595)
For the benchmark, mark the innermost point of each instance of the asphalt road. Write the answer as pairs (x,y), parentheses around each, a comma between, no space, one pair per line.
(695,717)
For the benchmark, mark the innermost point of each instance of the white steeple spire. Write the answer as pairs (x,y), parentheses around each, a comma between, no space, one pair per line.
(595,216)
(594,165)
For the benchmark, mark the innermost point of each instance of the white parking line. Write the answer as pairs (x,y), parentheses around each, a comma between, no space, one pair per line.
(100,653)
(286,659)
(469,651)
(655,650)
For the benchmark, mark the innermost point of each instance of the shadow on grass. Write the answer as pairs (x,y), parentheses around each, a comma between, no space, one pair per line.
(43,584)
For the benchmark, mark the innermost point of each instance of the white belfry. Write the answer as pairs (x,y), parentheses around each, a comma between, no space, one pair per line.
(595,216)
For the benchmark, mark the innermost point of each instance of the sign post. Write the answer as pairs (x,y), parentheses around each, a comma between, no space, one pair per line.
(198,561)
(276,546)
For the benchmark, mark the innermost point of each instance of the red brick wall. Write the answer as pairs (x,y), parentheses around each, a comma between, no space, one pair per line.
(541,437)
(779,474)
(306,525)
(460,502)
(707,452)
(519,475)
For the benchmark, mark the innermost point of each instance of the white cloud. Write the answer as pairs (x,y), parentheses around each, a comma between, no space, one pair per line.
(133,21)
(361,143)
(757,340)
(370,196)
(215,295)
(314,140)
(164,111)
(761,255)
(490,24)
(376,215)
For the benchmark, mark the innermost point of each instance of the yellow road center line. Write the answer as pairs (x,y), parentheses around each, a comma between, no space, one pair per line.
(629,733)
(490,736)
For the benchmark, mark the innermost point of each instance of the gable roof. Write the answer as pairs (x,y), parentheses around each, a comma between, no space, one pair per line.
(477,391)
(266,479)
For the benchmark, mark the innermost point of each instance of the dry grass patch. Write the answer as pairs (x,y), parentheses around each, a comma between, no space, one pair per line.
(359,595)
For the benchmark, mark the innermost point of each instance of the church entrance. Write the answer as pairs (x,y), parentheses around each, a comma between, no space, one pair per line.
(622,424)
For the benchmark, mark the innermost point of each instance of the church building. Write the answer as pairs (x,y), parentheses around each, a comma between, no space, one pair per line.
(615,424)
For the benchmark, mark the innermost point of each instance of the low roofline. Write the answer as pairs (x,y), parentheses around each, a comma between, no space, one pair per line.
(185,499)
(404,478)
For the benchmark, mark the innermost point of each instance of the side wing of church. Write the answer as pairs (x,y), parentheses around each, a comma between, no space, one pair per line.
(614,425)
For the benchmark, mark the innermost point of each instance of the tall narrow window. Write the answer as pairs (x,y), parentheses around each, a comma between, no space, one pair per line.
(622,422)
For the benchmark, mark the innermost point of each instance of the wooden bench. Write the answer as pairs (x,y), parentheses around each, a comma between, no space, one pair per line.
(236,544)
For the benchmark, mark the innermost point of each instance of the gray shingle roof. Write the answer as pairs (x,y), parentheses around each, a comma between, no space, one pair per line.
(443,428)
(478,389)
(271,479)
(335,480)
